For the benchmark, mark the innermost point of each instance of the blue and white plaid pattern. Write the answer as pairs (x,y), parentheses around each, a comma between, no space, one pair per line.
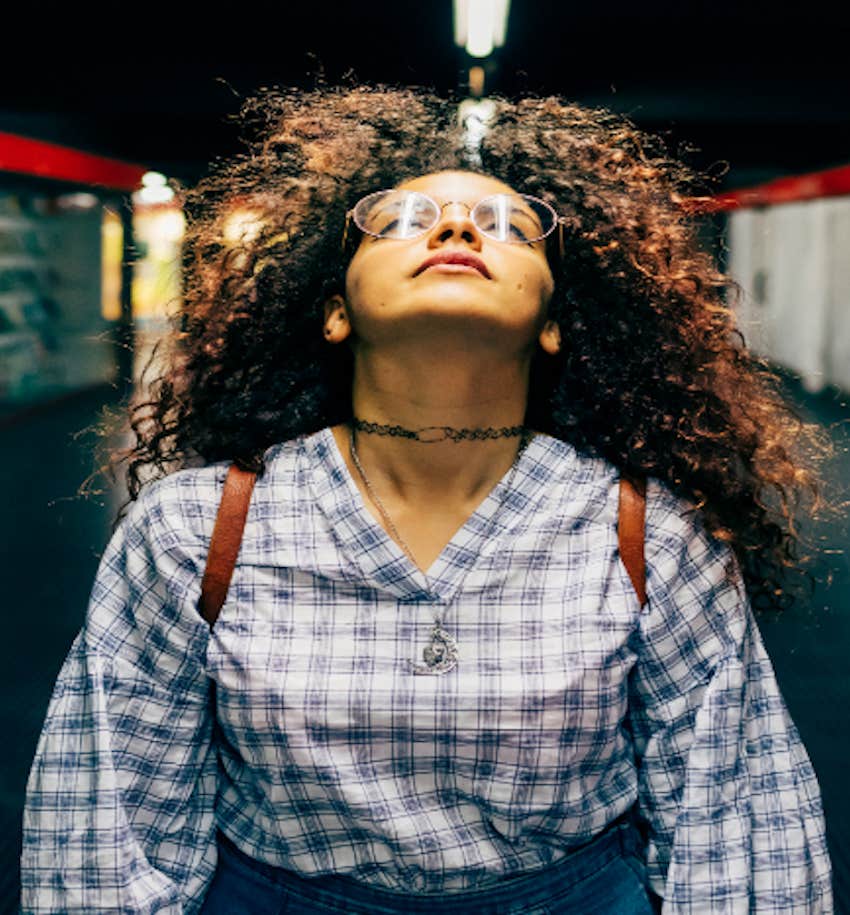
(569,703)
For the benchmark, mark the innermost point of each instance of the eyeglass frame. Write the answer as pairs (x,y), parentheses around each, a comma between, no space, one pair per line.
(558,223)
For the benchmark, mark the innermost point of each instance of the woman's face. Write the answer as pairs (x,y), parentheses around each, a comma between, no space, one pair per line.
(386,292)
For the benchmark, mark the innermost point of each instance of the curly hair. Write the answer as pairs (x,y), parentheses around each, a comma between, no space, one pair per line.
(652,374)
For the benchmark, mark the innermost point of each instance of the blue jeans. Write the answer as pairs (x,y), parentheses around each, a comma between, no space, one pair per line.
(603,877)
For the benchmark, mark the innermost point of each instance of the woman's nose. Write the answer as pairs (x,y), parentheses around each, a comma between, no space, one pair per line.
(456,219)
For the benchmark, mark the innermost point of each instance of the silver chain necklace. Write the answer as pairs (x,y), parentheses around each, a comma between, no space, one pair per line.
(441,654)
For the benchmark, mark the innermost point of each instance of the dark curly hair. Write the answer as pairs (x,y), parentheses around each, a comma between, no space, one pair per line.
(652,374)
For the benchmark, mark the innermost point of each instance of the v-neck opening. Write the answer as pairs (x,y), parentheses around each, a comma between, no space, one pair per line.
(483,515)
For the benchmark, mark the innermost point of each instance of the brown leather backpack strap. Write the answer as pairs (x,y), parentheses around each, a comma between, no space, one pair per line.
(630,525)
(226,537)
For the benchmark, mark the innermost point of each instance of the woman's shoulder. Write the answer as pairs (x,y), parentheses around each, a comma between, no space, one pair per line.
(188,499)
(679,547)
(594,478)
(673,522)
(175,505)
(672,517)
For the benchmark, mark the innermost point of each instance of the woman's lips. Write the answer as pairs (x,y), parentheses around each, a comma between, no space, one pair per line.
(455,258)
(453,268)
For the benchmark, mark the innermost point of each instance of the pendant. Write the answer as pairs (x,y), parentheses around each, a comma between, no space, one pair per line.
(440,655)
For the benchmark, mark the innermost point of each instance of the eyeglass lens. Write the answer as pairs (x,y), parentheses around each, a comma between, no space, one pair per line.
(405,214)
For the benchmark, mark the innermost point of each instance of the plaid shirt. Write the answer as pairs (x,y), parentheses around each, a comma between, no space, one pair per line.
(324,754)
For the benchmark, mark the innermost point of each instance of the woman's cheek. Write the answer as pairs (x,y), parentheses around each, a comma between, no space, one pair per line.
(534,285)
(352,287)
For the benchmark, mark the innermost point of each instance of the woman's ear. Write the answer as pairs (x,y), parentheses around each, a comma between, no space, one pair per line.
(550,337)
(337,325)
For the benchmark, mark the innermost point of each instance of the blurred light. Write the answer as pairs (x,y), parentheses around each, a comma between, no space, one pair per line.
(500,21)
(111,251)
(153,194)
(479,28)
(154,189)
(476,81)
(77,201)
(461,15)
(172,225)
(153,179)
(480,25)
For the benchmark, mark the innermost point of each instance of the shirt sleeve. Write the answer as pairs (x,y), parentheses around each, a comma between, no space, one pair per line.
(727,794)
(119,808)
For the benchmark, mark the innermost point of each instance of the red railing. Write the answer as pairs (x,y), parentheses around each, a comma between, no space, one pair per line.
(51,160)
(26,156)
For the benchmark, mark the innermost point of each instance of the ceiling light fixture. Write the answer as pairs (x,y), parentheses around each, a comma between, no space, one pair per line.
(480,25)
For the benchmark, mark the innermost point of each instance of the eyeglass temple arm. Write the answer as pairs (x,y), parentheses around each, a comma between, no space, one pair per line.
(560,224)
(345,230)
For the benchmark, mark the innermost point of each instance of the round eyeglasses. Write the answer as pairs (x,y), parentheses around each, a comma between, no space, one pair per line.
(514,218)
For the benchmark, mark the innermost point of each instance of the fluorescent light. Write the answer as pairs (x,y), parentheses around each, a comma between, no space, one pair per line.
(500,21)
(480,25)
(461,19)
(479,28)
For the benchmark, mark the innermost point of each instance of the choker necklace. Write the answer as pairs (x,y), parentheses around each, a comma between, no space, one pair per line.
(441,654)
(435,436)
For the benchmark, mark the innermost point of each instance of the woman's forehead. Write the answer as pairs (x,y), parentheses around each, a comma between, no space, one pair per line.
(456,185)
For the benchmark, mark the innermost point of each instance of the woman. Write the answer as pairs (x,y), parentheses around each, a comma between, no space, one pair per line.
(431,678)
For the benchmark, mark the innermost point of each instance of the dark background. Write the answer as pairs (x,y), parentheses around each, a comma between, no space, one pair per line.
(755,88)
